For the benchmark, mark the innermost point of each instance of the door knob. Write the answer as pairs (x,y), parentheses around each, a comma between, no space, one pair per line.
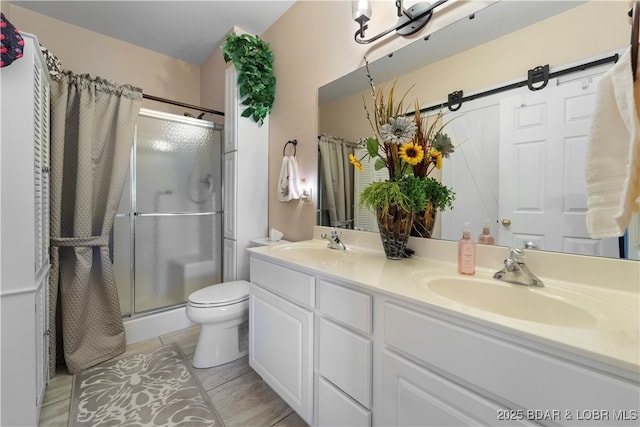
(506,222)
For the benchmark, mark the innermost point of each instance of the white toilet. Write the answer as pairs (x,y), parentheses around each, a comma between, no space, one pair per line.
(222,311)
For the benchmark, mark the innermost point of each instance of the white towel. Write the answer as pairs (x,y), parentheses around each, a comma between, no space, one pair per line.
(612,169)
(289,180)
(295,187)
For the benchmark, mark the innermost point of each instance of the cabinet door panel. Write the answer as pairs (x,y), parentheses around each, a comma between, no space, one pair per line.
(281,348)
(42,337)
(336,409)
(346,360)
(229,270)
(230,108)
(501,367)
(230,195)
(413,396)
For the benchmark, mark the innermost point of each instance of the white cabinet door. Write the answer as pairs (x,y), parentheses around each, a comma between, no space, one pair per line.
(42,337)
(230,194)
(230,109)
(414,396)
(281,348)
(229,268)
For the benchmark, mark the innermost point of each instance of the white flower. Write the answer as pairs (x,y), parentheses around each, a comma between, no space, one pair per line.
(399,130)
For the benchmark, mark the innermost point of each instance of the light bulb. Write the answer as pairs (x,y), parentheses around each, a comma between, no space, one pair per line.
(360,10)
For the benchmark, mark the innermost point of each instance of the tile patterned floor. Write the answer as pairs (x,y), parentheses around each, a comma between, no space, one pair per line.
(239,395)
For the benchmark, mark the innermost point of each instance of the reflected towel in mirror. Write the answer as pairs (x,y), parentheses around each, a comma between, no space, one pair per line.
(612,169)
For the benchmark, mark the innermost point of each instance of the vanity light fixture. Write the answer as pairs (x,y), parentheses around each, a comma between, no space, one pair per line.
(409,20)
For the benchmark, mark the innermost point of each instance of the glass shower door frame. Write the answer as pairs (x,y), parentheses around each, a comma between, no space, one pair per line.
(133,211)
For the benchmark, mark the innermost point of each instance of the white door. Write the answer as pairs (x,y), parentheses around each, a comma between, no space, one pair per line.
(472,170)
(542,187)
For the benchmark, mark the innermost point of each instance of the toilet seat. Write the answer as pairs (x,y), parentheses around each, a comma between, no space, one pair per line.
(222,294)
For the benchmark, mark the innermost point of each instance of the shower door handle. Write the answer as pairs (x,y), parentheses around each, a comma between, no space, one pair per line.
(140,214)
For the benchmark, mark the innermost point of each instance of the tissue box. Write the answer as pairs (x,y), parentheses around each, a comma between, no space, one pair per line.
(275,235)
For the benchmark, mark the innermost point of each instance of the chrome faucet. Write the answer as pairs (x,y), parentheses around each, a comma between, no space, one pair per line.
(334,240)
(516,271)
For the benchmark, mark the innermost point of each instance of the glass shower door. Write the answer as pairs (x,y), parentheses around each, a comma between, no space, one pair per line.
(175,207)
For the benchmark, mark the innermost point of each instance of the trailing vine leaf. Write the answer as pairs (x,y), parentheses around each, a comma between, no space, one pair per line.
(253,59)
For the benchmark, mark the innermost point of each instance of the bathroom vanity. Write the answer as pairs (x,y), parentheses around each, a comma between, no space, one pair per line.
(351,338)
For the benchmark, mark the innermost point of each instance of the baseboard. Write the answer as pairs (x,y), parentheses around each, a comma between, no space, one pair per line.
(153,325)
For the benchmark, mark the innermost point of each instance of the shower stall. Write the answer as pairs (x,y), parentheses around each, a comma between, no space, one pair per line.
(167,235)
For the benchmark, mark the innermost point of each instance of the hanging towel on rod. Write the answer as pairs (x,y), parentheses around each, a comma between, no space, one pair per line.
(612,168)
(289,181)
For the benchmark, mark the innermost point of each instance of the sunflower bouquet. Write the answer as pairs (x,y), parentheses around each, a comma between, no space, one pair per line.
(410,149)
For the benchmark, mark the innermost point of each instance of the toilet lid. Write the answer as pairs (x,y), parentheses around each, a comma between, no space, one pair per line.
(222,293)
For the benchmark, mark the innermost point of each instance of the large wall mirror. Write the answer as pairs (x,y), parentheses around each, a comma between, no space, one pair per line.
(534,191)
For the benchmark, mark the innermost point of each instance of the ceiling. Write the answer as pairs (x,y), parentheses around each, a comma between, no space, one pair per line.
(186,30)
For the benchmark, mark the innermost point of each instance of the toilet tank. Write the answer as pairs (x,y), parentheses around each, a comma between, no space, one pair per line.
(265,241)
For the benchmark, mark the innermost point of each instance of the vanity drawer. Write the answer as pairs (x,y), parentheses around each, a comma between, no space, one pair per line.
(345,305)
(291,284)
(337,409)
(345,359)
(519,376)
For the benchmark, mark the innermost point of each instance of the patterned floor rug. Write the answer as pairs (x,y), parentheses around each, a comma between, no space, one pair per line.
(148,389)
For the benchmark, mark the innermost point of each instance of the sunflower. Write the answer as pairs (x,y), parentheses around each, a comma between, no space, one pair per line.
(436,156)
(411,153)
(355,162)
(399,130)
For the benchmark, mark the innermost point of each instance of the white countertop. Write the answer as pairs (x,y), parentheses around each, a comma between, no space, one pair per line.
(608,332)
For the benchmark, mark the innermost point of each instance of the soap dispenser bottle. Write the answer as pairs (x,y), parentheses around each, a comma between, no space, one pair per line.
(485,237)
(466,252)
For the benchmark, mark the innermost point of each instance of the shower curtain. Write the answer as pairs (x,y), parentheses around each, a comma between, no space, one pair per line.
(337,176)
(92,128)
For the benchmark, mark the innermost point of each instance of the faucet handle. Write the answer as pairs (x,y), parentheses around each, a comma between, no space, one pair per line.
(517,255)
(529,245)
(334,233)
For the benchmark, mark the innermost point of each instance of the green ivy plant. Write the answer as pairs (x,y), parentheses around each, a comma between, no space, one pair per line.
(409,192)
(404,192)
(253,59)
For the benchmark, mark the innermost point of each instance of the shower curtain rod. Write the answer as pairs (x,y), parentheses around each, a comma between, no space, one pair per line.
(181,104)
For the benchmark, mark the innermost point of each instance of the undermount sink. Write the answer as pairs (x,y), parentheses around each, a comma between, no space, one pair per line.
(312,251)
(541,305)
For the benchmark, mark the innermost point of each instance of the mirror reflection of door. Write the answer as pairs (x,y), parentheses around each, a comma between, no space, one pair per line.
(535,153)
(543,144)
(472,170)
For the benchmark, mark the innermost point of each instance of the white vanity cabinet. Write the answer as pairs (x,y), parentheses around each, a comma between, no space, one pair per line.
(485,377)
(281,301)
(381,359)
(344,355)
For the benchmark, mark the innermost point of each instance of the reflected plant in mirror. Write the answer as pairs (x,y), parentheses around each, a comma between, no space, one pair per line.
(409,148)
